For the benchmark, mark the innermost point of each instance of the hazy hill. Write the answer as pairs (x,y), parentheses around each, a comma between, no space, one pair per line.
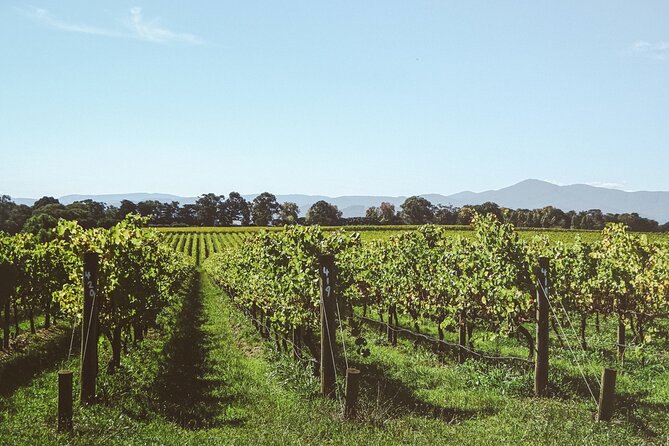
(528,194)
(115,199)
(531,194)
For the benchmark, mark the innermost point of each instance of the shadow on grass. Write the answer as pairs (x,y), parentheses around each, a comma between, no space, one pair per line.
(566,386)
(185,394)
(41,352)
(641,414)
(383,397)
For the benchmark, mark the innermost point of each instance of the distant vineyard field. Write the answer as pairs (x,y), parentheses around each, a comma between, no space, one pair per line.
(201,242)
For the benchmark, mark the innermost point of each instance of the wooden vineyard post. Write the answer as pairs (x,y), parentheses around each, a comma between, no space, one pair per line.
(64,401)
(621,338)
(607,395)
(89,330)
(326,271)
(622,302)
(351,395)
(541,364)
(462,338)
(390,332)
(297,343)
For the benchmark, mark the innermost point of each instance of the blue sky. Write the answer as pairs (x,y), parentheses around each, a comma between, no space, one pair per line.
(336,98)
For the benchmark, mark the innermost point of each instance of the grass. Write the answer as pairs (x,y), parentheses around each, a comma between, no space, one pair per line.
(210,379)
(31,354)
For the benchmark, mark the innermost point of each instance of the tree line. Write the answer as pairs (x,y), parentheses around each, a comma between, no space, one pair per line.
(264,210)
(418,211)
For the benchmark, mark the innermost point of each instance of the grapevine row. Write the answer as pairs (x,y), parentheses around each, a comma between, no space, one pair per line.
(485,282)
(138,276)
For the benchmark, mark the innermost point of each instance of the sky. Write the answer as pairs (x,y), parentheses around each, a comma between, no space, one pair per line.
(333,98)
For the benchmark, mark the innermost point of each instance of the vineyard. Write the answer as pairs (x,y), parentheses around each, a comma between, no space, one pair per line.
(215,239)
(138,275)
(414,335)
(482,287)
(435,280)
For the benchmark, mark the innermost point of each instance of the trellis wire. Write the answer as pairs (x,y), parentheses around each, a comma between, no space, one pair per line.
(337,392)
(580,369)
(396,328)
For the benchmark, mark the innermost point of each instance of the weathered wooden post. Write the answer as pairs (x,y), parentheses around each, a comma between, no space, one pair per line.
(462,338)
(607,395)
(326,271)
(541,364)
(622,303)
(64,401)
(89,330)
(390,332)
(297,343)
(351,395)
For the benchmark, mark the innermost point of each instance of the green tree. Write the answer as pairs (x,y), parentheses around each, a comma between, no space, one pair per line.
(387,214)
(465,215)
(263,209)
(637,223)
(88,213)
(445,215)
(288,213)
(41,224)
(372,214)
(187,215)
(235,208)
(489,208)
(148,208)
(12,216)
(323,213)
(44,201)
(207,209)
(417,211)
(45,218)
(384,214)
(165,213)
(127,207)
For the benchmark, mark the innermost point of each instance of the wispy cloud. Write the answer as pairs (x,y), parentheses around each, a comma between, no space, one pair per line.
(133,26)
(608,184)
(656,50)
(604,184)
(42,16)
(151,31)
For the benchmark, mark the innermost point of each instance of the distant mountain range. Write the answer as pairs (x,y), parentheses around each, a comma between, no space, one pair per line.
(528,194)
